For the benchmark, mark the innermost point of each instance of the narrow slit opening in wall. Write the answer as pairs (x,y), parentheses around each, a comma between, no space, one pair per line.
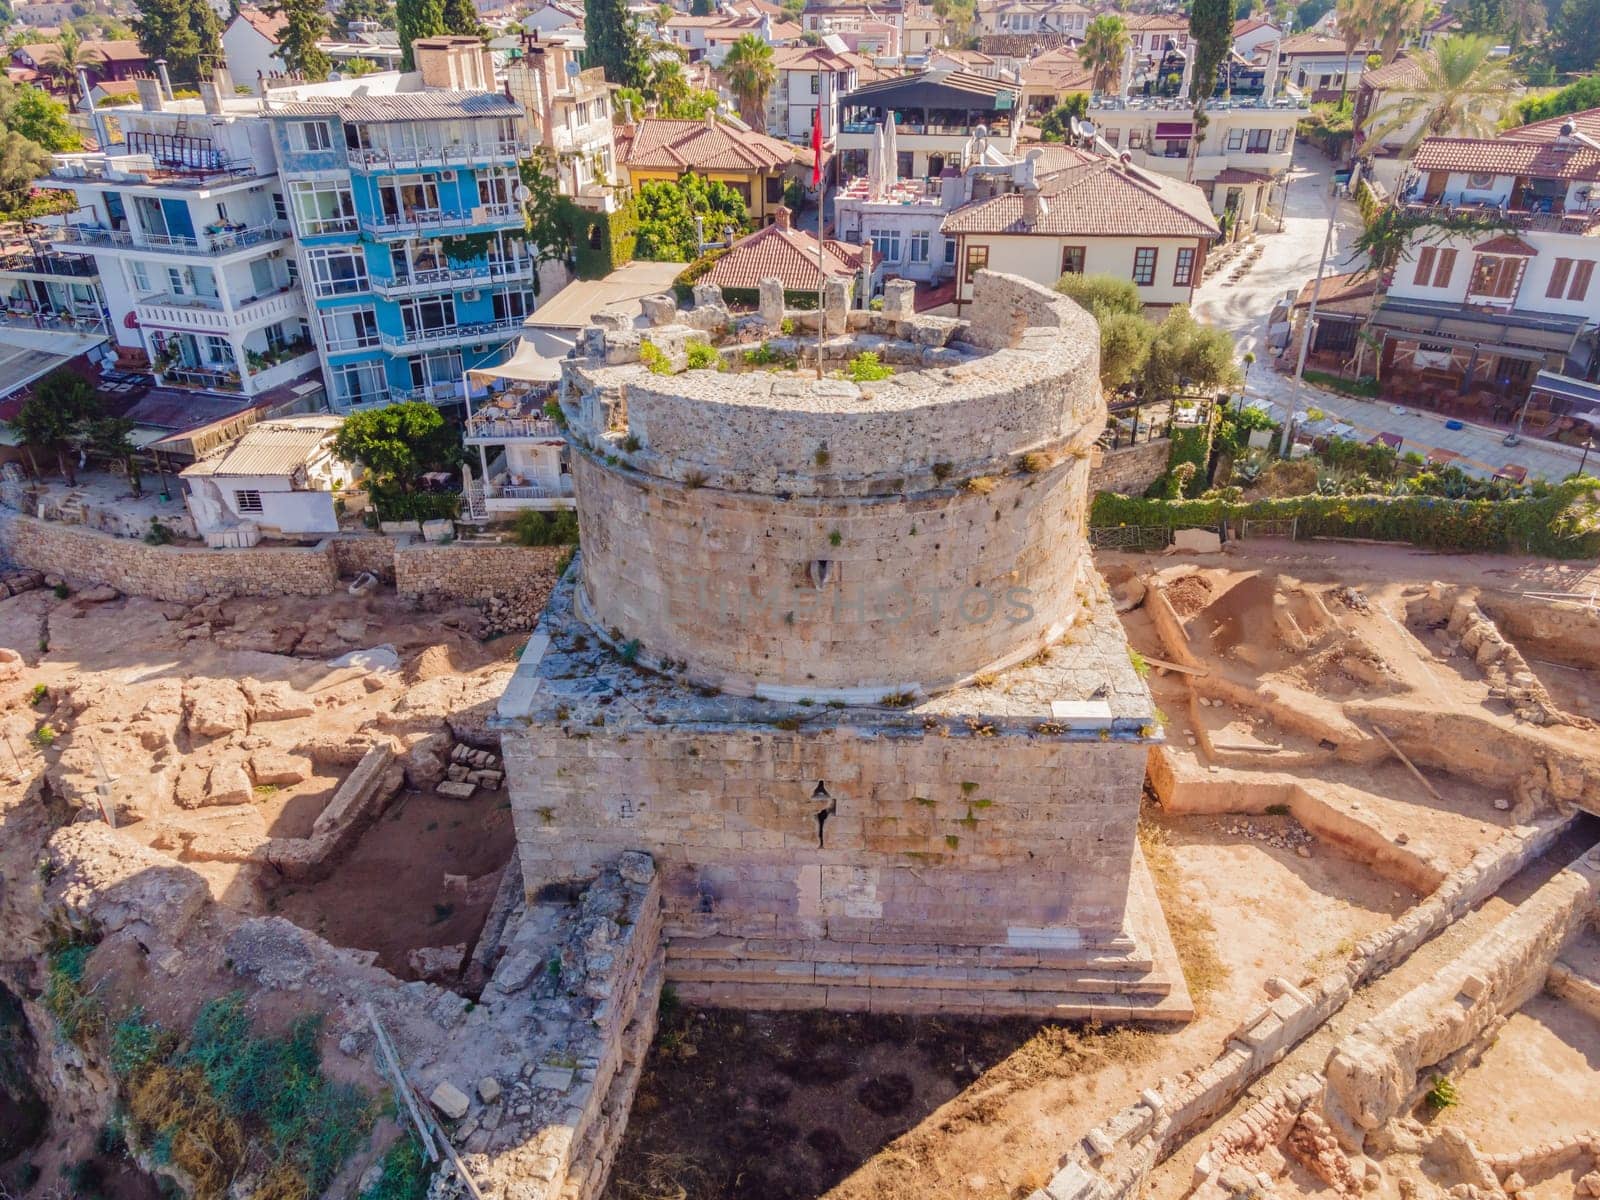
(829,807)
(819,571)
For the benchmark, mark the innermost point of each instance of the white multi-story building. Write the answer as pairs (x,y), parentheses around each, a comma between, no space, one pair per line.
(808,77)
(1483,314)
(570,111)
(185,219)
(937,115)
(1241,162)
(1035,16)
(519,447)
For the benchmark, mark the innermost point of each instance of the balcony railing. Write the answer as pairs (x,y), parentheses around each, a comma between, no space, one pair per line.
(498,489)
(452,335)
(71,265)
(384,158)
(54,321)
(422,221)
(208,314)
(355,341)
(224,242)
(214,379)
(443,278)
(492,428)
(1579,220)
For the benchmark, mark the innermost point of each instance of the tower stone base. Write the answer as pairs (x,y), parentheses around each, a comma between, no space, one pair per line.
(973,853)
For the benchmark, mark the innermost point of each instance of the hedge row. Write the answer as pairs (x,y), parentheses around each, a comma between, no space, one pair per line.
(1564,524)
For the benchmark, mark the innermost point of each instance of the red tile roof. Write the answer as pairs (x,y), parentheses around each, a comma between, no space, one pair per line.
(1061,69)
(269,27)
(1506,243)
(816,58)
(1338,291)
(1321,46)
(656,143)
(782,253)
(1530,151)
(44,53)
(1402,73)
(1098,197)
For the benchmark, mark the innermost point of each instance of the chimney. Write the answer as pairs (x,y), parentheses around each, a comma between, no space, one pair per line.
(1030,207)
(150,97)
(711,119)
(210,97)
(166,80)
(223,78)
(781,217)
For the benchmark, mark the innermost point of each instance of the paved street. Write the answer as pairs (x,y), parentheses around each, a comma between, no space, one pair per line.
(1287,262)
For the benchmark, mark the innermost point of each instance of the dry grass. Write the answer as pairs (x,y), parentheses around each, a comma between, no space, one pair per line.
(1064,1051)
(205,1142)
(666,1177)
(1192,930)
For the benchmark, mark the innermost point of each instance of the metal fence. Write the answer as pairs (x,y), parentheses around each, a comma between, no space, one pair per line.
(1282,527)
(1130,537)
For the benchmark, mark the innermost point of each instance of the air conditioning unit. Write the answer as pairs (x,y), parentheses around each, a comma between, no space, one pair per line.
(447,176)
(470,297)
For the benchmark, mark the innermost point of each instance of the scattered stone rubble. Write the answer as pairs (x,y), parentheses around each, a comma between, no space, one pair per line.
(468,770)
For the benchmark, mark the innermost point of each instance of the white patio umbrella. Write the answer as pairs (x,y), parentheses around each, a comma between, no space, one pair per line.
(891,159)
(875,173)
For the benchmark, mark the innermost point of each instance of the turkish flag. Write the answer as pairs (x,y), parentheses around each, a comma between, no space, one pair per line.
(816,146)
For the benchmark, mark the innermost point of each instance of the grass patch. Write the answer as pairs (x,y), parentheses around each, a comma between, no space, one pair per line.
(865,368)
(702,356)
(228,1095)
(1366,387)
(1140,667)
(405,1173)
(75,1008)
(1442,1094)
(1193,934)
(655,361)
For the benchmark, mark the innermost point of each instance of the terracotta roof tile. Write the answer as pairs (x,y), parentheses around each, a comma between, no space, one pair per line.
(1401,73)
(1506,243)
(786,254)
(1097,197)
(656,143)
(268,26)
(1528,151)
(1320,44)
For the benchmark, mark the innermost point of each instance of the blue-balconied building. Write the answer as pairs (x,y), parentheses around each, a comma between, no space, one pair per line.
(407,209)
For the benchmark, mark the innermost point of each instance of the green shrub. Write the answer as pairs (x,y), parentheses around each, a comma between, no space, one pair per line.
(1442,1094)
(62,591)
(37,693)
(702,356)
(392,504)
(76,1010)
(43,736)
(655,362)
(1365,387)
(136,1043)
(865,368)
(1192,444)
(558,528)
(1563,521)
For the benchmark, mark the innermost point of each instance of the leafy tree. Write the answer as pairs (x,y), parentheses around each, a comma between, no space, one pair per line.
(751,75)
(667,212)
(1186,355)
(1575,36)
(1310,12)
(612,42)
(702,8)
(461,19)
(1393,22)
(187,33)
(1330,125)
(354,68)
(1102,295)
(108,437)
(50,419)
(69,57)
(305,24)
(415,19)
(37,116)
(398,442)
(1464,90)
(1355,26)
(381,11)
(1211,26)
(21,162)
(1577,97)
(1057,123)
(1104,50)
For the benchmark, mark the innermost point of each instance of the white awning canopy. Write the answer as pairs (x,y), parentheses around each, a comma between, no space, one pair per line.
(526,365)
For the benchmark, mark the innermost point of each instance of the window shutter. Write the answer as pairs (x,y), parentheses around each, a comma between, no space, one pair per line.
(1580,280)
(1441,273)
(1558,279)
(1425,266)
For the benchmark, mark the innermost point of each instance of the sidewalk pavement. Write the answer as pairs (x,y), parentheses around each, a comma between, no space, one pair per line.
(1288,260)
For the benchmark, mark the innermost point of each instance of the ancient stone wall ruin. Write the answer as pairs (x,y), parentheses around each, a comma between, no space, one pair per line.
(1129,470)
(926,805)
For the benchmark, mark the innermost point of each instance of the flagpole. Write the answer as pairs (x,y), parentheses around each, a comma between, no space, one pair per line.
(822,206)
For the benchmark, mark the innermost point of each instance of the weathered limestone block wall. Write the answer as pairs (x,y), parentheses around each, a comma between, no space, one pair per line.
(165,572)
(892,849)
(469,572)
(1130,470)
(358,552)
(757,593)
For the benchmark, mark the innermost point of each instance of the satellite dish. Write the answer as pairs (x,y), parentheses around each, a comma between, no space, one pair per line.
(572,67)
(523,194)
(1086,128)
(1076,127)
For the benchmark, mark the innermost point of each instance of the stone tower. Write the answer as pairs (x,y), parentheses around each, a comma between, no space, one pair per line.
(834,652)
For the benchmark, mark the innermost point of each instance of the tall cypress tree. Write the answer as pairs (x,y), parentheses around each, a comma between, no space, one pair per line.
(415,19)
(307,25)
(461,17)
(1573,45)
(611,37)
(187,33)
(1211,27)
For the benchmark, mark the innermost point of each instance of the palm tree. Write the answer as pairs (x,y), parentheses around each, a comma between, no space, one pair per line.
(750,76)
(1104,49)
(1396,20)
(1357,20)
(1463,91)
(63,68)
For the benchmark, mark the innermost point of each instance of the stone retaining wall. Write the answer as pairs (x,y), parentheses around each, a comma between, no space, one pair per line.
(462,571)
(1130,470)
(176,573)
